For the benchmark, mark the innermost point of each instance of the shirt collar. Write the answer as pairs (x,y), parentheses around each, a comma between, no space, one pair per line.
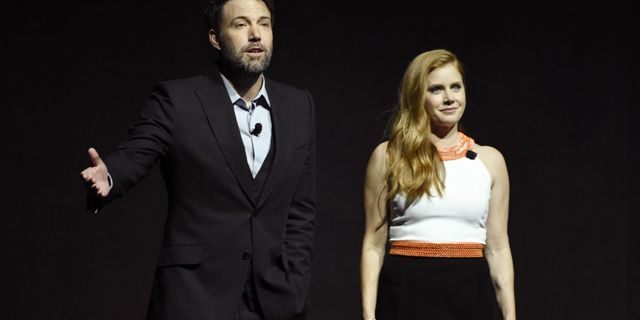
(262,98)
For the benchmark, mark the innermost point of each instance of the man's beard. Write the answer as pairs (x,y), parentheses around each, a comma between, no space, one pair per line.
(235,58)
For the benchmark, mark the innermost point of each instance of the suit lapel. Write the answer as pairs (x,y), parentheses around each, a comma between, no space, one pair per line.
(219,112)
(281,124)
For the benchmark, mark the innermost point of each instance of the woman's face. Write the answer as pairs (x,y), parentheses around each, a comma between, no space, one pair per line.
(446,99)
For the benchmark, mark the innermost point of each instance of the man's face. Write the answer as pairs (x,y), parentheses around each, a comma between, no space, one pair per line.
(245,38)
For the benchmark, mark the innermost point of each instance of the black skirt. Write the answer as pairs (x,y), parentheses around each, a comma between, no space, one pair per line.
(436,289)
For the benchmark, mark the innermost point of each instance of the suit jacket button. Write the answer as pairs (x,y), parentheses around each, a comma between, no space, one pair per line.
(246,255)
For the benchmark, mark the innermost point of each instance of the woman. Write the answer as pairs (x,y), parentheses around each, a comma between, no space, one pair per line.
(442,203)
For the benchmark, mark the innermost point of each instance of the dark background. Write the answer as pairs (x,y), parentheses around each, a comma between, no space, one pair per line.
(548,84)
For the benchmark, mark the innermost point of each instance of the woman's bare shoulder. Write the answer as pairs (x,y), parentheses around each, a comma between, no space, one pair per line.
(491,157)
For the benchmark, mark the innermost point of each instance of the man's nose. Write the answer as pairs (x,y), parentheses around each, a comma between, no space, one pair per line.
(254,34)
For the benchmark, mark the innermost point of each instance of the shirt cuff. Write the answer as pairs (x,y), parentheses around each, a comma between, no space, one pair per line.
(110,181)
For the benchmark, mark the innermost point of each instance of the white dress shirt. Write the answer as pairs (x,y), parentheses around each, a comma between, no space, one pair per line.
(248,114)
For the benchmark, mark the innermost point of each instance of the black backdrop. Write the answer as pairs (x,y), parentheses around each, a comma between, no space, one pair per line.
(548,85)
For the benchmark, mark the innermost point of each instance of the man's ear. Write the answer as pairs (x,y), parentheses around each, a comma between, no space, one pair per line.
(213,39)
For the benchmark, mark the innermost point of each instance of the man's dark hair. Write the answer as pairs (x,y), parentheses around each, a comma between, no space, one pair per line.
(213,10)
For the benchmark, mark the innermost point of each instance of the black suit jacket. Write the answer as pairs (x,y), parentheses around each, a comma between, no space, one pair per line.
(217,230)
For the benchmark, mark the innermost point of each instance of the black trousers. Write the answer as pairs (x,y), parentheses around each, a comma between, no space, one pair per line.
(436,289)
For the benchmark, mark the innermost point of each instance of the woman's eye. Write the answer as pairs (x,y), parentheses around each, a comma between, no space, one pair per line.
(437,89)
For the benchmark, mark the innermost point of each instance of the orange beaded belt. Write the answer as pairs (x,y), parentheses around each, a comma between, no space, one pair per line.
(437,250)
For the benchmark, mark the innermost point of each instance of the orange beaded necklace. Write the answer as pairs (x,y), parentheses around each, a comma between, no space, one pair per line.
(459,150)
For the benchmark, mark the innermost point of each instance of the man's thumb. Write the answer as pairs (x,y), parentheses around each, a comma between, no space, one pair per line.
(95,157)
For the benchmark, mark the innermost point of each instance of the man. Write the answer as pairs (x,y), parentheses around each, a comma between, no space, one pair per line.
(237,155)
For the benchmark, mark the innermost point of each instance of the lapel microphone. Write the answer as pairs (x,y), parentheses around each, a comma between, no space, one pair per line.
(257,129)
(471,155)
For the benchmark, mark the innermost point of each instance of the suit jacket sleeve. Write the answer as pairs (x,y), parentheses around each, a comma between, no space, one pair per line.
(149,140)
(302,211)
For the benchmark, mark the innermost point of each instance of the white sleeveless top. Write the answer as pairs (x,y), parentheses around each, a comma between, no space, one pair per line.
(460,215)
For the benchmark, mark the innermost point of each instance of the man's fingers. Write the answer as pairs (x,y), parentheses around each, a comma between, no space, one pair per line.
(101,189)
(95,157)
(103,192)
(88,173)
(91,177)
(95,177)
